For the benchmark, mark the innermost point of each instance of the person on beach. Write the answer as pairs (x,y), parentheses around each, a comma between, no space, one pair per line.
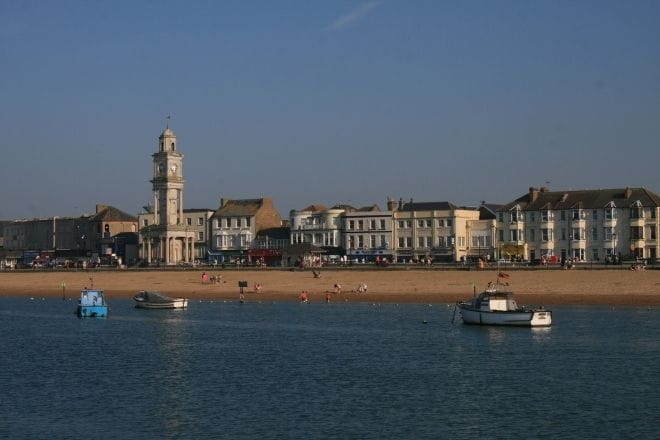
(257,288)
(327,297)
(337,288)
(205,277)
(303,296)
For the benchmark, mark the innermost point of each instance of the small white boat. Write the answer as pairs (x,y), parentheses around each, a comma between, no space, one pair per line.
(493,307)
(156,300)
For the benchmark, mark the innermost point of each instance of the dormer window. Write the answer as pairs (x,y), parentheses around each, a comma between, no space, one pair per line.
(636,210)
(577,214)
(610,211)
(546,215)
(515,215)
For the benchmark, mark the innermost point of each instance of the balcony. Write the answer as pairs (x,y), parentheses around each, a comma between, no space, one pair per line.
(609,222)
(637,222)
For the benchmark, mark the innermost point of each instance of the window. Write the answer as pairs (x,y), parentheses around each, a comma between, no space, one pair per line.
(594,233)
(236,223)
(409,242)
(360,241)
(513,234)
(608,233)
(594,254)
(247,222)
(351,224)
(448,223)
(441,223)
(383,241)
(145,222)
(429,223)
(200,236)
(532,235)
(402,224)
(408,223)
(420,242)
(500,217)
(200,221)
(501,231)
(373,224)
(532,217)
(420,223)
(653,212)
(351,242)
(402,242)
(382,224)
(576,214)
(652,232)
(577,234)
(563,233)
(594,214)
(636,233)
(514,215)
(563,215)
(610,213)
(360,224)
(546,234)
(227,222)
(373,241)
(545,215)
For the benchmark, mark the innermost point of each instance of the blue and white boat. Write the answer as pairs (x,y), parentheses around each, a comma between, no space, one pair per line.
(92,304)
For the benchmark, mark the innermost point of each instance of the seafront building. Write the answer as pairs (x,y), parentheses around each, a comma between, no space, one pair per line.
(367,234)
(108,232)
(587,225)
(436,230)
(240,225)
(167,239)
(319,226)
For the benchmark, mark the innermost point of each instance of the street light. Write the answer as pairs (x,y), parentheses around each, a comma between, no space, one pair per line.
(613,247)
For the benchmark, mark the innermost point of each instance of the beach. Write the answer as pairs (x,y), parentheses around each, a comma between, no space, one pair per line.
(589,287)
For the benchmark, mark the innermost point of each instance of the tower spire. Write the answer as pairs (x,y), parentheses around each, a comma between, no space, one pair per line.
(167,122)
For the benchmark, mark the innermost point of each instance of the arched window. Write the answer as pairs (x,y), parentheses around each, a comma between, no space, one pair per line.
(172,146)
(162,146)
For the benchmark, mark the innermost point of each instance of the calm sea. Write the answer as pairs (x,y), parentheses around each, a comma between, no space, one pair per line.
(339,370)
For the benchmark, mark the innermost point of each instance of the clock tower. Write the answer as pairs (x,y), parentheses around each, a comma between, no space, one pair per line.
(167,238)
(168,181)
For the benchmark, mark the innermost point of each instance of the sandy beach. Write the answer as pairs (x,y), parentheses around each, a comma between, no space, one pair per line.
(606,287)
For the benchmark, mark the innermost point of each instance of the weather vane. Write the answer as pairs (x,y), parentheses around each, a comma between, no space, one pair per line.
(167,123)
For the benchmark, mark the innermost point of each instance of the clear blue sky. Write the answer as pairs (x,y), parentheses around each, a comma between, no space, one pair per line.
(325,101)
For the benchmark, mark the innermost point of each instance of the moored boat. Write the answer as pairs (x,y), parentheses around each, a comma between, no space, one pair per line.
(92,304)
(496,307)
(156,300)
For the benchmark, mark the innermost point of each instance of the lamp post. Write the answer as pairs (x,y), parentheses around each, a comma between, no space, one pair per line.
(613,247)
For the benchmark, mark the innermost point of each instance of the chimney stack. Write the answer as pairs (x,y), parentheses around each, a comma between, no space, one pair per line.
(628,192)
(533,194)
(391,204)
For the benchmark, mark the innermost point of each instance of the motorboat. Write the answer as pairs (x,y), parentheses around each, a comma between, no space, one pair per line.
(92,304)
(496,307)
(156,300)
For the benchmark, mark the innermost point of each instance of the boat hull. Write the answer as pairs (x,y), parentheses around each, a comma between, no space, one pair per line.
(179,303)
(519,318)
(92,311)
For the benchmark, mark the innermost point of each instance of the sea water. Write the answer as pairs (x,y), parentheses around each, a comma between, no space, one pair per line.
(339,370)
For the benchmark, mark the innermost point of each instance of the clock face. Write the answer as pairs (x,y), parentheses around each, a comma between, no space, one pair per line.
(173,169)
(161,168)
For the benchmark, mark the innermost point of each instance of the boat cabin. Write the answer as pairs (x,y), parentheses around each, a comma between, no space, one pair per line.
(91,298)
(491,300)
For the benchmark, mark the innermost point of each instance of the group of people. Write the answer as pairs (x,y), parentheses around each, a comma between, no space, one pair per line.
(213,279)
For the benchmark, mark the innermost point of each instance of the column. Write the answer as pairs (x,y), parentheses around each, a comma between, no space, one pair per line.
(181,206)
(186,253)
(191,251)
(167,250)
(156,208)
(148,245)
